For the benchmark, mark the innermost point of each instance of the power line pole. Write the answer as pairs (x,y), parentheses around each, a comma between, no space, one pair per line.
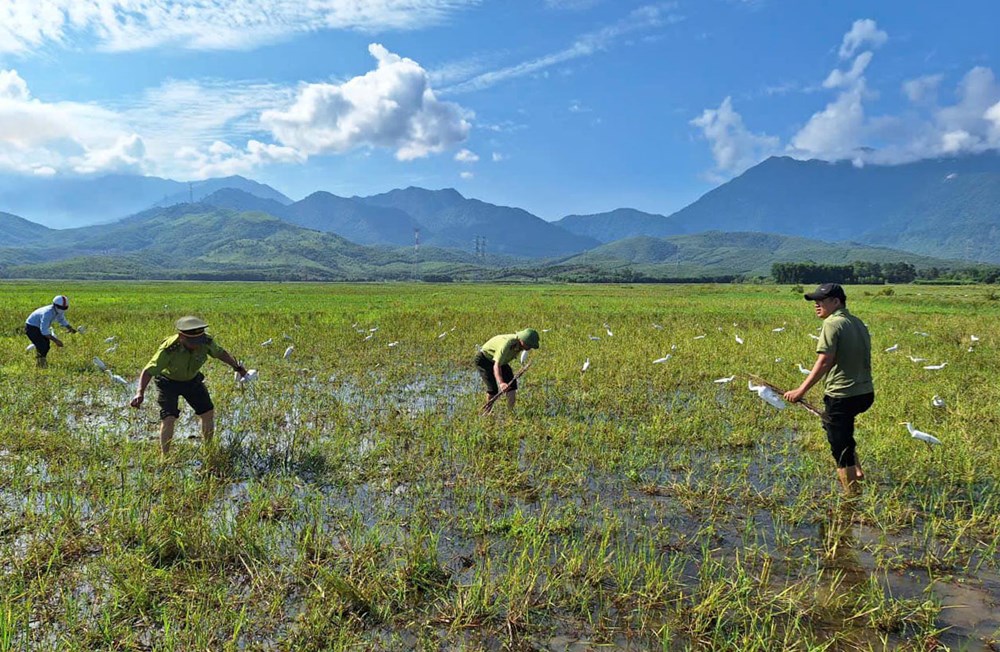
(190,192)
(416,239)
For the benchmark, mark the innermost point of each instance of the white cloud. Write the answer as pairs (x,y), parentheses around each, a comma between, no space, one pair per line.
(497,156)
(851,78)
(573,5)
(734,147)
(642,19)
(466,156)
(922,89)
(392,106)
(125,25)
(222,159)
(466,175)
(12,87)
(863,33)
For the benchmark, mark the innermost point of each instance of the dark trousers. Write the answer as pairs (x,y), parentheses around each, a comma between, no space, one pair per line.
(42,343)
(193,391)
(485,366)
(838,422)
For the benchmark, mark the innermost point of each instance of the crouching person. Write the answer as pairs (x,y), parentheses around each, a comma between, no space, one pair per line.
(176,366)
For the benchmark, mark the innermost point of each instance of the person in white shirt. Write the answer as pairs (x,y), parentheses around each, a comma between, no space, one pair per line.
(38,327)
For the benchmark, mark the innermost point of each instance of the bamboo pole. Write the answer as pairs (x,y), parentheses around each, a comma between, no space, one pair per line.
(489,403)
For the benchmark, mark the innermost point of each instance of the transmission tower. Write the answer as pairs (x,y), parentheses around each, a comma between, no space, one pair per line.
(416,239)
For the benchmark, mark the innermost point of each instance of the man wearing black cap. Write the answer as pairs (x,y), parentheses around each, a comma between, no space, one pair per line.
(845,360)
(176,367)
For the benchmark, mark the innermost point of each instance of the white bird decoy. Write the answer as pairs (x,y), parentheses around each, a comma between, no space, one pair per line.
(778,329)
(937,401)
(723,381)
(972,338)
(83,329)
(767,394)
(443,335)
(922,436)
(739,340)
(109,340)
(657,327)
(915,359)
(802,369)
(586,365)
(524,357)
(663,359)
(699,337)
(546,330)
(288,352)
(815,337)
(392,344)
(268,342)
(778,359)
(249,378)
(935,367)
(610,334)
(593,338)
(369,336)
(100,364)
(112,348)
(920,333)
(29,347)
(892,349)
(372,330)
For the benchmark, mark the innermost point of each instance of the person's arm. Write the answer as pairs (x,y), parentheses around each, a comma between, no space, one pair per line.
(231,361)
(140,393)
(45,326)
(61,318)
(499,377)
(824,361)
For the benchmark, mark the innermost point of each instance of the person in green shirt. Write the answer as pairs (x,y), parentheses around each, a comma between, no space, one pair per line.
(493,362)
(844,361)
(176,367)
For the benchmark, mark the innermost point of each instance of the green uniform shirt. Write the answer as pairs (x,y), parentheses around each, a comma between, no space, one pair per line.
(173,361)
(501,348)
(846,338)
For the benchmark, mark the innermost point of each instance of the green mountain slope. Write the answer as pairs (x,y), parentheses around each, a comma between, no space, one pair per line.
(15,231)
(716,253)
(620,224)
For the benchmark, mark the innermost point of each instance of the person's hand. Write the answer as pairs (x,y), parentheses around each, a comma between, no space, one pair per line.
(794,395)
(503,387)
(136,400)
(241,370)
(57,343)
(72,330)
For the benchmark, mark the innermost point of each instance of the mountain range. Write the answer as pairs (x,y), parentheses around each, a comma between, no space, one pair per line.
(928,213)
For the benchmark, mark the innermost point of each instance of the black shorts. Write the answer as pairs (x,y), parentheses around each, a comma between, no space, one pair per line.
(838,422)
(193,391)
(42,343)
(485,366)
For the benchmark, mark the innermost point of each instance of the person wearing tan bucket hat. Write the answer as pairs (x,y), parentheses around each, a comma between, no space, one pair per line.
(493,361)
(176,366)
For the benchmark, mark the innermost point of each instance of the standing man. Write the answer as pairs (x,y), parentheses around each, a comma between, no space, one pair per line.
(38,327)
(493,361)
(845,359)
(176,367)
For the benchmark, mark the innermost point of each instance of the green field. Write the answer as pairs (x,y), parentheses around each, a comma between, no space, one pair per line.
(353,498)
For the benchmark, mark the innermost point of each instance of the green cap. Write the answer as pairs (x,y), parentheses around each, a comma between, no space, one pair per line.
(193,327)
(529,336)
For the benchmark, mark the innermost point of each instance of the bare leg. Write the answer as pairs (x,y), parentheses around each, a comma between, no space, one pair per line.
(850,480)
(208,425)
(511,398)
(166,434)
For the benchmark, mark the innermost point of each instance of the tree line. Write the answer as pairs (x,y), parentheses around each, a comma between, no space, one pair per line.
(878,273)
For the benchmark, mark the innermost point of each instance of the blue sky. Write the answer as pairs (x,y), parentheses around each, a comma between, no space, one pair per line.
(556,106)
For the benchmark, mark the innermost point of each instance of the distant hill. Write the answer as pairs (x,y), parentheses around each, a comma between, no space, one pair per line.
(620,224)
(16,231)
(717,253)
(455,221)
(78,201)
(947,207)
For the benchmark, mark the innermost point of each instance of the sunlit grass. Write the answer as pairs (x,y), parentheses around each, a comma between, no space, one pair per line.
(354,498)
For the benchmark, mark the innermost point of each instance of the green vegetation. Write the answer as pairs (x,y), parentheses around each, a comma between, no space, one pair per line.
(353,499)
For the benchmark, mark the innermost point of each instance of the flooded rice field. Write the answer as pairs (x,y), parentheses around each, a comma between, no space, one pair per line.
(353,498)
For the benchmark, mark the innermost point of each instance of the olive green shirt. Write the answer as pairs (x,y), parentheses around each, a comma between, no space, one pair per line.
(175,362)
(846,338)
(501,348)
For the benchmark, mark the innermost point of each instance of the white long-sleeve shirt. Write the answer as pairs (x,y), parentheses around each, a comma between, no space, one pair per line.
(43,318)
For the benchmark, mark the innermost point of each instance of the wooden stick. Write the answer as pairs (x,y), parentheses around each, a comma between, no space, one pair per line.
(485,409)
(804,403)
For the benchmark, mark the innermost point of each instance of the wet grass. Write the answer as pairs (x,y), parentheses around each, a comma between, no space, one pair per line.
(353,499)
